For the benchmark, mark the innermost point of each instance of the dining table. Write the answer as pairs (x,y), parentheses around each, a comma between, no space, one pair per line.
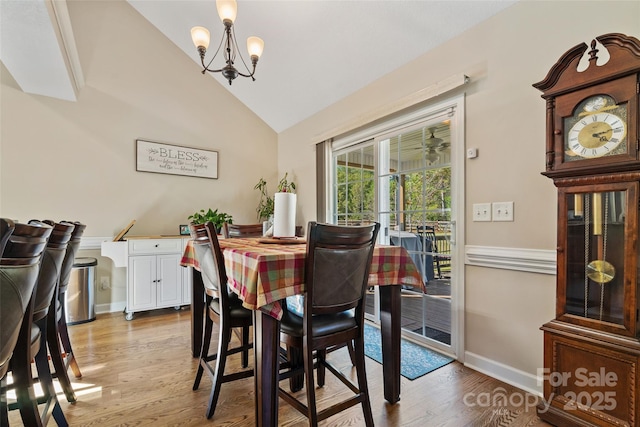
(263,272)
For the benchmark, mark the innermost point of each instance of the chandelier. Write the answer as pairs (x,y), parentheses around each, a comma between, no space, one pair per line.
(227,10)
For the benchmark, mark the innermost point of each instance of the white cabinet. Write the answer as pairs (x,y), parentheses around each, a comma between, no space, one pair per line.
(155,278)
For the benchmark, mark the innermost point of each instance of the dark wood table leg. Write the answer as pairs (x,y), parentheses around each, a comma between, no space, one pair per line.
(266,345)
(197,312)
(390,316)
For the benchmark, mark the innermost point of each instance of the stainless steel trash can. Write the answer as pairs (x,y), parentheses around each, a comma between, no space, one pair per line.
(79,299)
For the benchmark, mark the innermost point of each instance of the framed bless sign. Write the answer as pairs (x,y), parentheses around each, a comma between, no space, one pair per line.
(175,160)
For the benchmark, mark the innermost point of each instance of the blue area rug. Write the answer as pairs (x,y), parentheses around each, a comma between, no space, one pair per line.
(415,360)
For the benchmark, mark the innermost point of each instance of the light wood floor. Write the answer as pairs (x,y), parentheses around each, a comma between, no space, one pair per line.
(140,373)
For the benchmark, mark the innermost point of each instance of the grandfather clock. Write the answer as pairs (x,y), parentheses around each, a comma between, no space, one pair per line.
(592,347)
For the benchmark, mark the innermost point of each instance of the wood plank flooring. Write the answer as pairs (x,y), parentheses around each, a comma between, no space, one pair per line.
(140,373)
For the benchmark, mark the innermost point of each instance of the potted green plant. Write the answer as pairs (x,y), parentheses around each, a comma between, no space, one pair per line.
(265,205)
(284,186)
(217,218)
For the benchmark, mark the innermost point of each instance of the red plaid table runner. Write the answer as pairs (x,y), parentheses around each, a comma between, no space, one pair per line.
(263,274)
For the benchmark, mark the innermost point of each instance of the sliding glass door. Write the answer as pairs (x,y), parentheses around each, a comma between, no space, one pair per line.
(404,179)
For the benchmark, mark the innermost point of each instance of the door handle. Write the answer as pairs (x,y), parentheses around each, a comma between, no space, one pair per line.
(452,239)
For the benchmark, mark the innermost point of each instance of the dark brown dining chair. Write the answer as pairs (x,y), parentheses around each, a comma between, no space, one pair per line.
(44,315)
(224,308)
(241,230)
(62,355)
(11,313)
(336,274)
(438,246)
(19,270)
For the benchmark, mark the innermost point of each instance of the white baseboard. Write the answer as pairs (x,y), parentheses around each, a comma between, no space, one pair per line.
(113,307)
(515,377)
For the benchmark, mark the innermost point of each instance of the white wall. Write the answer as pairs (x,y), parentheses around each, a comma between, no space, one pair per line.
(76,160)
(505,120)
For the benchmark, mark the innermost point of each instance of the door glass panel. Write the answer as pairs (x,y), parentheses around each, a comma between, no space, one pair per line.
(415,213)
(354,192)
(595,251)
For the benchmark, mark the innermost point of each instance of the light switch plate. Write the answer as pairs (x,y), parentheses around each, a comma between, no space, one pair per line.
(481,212)
(502,211)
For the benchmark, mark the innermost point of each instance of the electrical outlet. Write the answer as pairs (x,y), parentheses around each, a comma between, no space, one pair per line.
(104,283)
(502,211)
(482,212)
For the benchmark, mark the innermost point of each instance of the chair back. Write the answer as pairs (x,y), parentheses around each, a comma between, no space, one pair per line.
(209,256)
(26,243)
(337,267)
(428,237)
(241,230)
(50,267)
(70,254)
(19,266)
(6,229)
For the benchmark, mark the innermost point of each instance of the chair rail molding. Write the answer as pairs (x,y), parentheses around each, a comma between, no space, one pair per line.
(520,259)
(88,243)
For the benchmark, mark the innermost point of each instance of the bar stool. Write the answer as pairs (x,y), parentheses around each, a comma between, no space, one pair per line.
(60,349)
(44,315)
(19,271)
(223,308)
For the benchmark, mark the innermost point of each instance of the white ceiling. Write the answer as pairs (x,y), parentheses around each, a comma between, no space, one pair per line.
(316,51)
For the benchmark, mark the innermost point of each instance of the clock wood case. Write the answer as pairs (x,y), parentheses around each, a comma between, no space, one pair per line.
(592,347)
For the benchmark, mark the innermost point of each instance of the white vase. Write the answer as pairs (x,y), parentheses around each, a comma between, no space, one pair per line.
(266,226)
(284,215)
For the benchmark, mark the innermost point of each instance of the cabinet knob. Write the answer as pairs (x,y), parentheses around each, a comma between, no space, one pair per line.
(157,245)
(557,132)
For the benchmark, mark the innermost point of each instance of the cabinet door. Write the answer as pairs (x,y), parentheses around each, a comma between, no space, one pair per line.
(169,283)
(141,292)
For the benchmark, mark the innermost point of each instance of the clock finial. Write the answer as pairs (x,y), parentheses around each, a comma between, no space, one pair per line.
(593,52)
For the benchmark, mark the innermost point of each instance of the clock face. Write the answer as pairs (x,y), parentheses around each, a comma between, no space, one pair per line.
(598,128)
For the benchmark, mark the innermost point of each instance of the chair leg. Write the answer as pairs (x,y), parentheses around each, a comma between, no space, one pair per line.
(322,356)
(312,410)
(4,411)
(295,359)
(218,373)
(22,377)
(352,353)
(55,351)
(52,406)
(362,380)
(245,346)
(437,259)
(66,343)
(206,341)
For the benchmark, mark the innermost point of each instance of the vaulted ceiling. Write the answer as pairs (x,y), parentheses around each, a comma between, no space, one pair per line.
(316,51)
